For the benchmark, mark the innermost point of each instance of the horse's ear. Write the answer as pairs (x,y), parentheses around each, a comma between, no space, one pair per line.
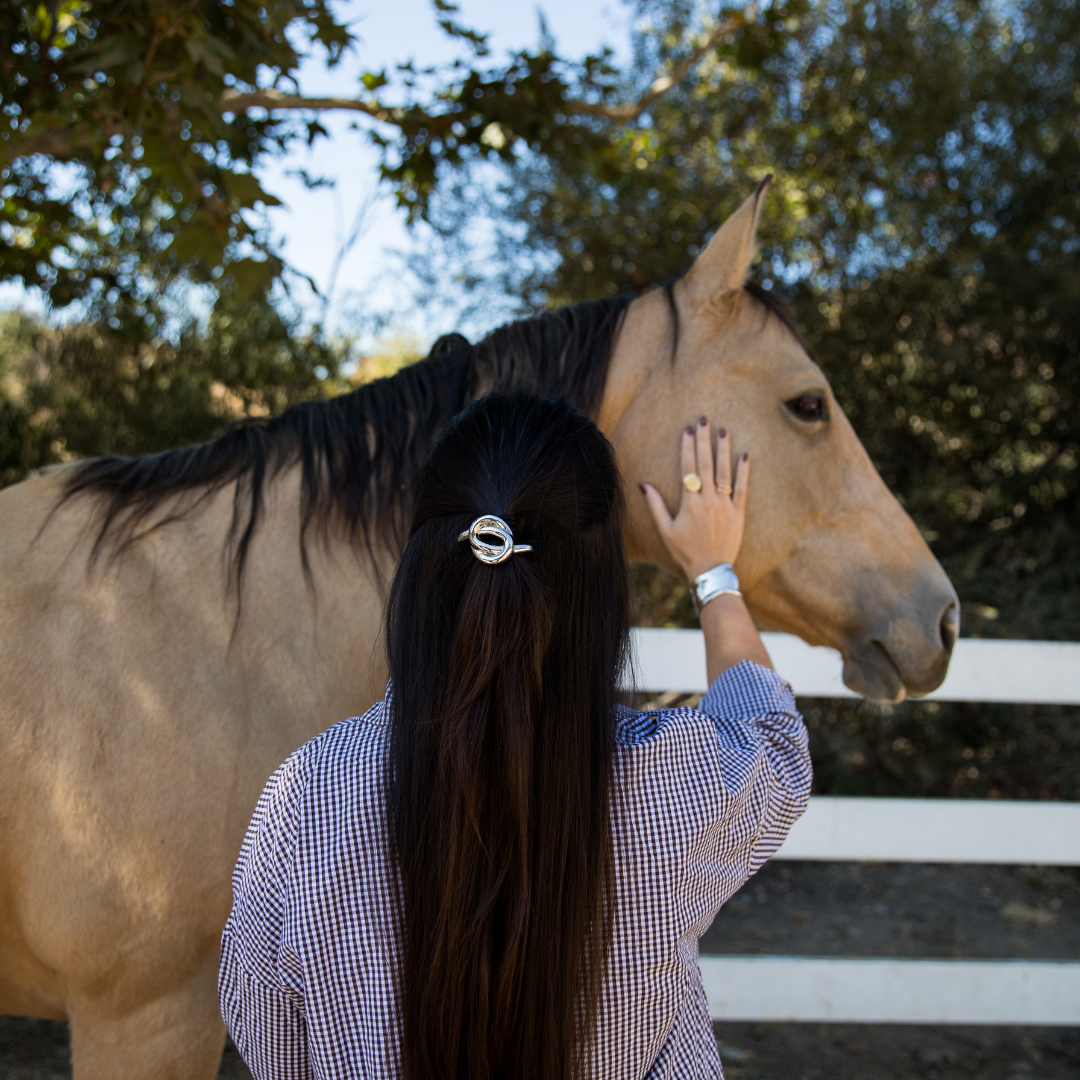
(722,267)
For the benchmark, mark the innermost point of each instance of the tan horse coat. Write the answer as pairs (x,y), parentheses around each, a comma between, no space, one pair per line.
(135,736)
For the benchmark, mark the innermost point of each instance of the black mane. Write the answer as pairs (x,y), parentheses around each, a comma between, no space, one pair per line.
(358,452)
(775,306)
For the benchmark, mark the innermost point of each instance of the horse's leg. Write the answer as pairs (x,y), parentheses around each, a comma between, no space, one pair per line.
(176,1037)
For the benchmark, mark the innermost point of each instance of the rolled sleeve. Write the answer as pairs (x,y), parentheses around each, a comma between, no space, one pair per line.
(765,758)
(261,1007)
(747,691)
(265,1023)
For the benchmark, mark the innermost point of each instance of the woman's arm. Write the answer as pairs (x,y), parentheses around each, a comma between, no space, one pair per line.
(260,1006)
(749,785)
(708,531)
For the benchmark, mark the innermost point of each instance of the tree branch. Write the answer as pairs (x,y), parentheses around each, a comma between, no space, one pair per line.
(272,100)
(61,144)
(164,33)
(623,113)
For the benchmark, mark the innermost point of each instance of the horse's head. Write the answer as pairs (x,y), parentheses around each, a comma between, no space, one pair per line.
(829,553)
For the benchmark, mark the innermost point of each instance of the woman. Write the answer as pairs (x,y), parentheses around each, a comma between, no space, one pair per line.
(497,871)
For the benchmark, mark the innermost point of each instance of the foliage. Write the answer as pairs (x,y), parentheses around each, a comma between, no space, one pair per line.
(120,170)
(923,224)
(938,749)
(389,354)
(134,130)
(84,390)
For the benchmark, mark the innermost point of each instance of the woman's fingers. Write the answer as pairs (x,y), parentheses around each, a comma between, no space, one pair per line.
(703,445)
(723,459)
(707,528)
(742,482)
(658,507)
(687,454)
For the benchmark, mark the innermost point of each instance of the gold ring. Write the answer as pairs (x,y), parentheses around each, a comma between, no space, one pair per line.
(724,489)
(692,482)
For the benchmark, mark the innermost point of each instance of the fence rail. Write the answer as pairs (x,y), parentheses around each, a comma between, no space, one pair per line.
(869,990)
(936,831)
(886,990)
(1040,672)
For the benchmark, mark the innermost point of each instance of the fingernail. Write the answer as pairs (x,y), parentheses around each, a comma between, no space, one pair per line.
(703,421)
(689,429)
(723,433)
(642,488)
(746,457)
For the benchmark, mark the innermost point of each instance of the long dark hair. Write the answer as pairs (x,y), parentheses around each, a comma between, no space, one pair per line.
(504,682)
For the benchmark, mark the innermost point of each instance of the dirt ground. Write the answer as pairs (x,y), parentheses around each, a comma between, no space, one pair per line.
(37,1050)
(903,909)
(831,909)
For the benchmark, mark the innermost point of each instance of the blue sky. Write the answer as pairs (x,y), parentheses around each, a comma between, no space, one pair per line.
(312,222)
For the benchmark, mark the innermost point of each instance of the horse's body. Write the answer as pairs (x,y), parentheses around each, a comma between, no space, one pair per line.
(139,718)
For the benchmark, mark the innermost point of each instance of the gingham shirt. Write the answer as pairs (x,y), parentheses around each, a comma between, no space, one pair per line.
(308,955)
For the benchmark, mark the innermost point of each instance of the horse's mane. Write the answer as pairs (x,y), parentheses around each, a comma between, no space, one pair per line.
(778,309)
(358,452)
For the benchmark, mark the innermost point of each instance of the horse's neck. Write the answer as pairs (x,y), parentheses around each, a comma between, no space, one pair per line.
(328,616)
(644,342)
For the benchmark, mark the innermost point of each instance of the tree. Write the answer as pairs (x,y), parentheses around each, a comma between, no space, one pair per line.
(133,128)
(83,389)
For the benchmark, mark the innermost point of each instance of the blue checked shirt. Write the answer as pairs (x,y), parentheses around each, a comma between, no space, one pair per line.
(308,956)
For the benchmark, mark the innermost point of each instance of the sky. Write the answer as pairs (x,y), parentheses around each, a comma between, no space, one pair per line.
(312,223)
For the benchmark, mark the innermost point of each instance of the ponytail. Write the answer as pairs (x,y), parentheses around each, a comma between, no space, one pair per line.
(502,739)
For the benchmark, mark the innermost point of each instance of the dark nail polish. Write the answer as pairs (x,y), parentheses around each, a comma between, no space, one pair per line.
(689,429)
(703,421)
(642,487)
(746,457)
(723,433)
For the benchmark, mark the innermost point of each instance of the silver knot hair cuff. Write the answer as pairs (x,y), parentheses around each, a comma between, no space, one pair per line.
(492,554)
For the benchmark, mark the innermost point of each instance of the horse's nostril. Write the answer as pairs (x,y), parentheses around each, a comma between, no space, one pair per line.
(950,626)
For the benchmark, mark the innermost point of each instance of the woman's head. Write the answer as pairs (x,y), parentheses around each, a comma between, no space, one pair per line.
(503,713)
(550,474)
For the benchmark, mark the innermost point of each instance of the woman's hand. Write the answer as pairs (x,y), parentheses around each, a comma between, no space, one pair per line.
(708,528)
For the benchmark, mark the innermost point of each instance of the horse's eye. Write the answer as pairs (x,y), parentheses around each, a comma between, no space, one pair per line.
(808,407)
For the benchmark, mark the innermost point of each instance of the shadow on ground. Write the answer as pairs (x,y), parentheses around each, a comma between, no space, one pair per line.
(38,1050)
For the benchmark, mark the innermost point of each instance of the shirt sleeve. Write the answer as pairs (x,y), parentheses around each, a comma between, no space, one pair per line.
(765,770)
(260,982)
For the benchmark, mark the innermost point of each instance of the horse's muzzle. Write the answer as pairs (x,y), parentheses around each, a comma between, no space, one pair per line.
(906,655)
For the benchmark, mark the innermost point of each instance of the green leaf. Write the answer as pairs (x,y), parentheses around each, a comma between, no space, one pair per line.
(247,191)
(250,277)
(107,53)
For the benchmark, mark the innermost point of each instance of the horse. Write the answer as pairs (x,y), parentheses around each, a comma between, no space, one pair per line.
(173,626)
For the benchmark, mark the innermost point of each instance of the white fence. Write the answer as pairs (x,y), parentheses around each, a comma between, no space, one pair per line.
(1043,672)
(882,990)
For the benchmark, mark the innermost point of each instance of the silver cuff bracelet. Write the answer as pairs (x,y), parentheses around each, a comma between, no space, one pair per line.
(719,581)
